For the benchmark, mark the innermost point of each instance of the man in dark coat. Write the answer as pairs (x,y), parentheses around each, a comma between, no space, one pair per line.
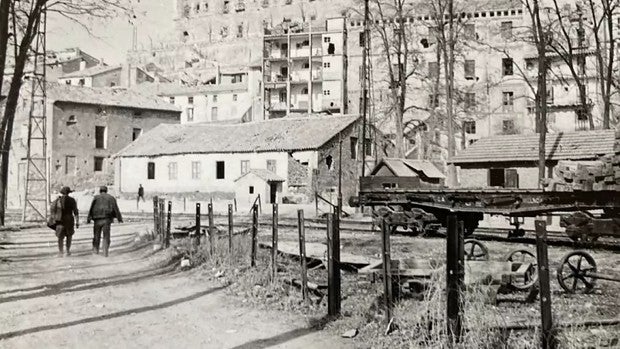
(102,211)
(65,212)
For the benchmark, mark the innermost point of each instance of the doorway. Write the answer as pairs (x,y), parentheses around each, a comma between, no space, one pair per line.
(273,192)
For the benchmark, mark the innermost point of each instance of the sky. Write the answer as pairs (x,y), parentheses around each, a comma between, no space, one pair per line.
(111,39)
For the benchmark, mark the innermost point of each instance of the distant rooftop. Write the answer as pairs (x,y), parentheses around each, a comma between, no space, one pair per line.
(582,145)
(285,134)
(106,96)
(92,71)
(175,89)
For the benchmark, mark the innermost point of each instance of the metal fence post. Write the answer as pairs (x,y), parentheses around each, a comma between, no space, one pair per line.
(548,333)
(211,229)
(333,266)
(198,224)
(254,235)
(230,228)
(387,269)
(168,223)
(301,228)
(454,279)
(274,243)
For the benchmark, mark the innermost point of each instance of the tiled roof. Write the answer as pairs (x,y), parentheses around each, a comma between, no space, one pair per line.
(92,71)
(265,175)
(285,134)
(174,89)
(408,167)
(558,146)
(106,96)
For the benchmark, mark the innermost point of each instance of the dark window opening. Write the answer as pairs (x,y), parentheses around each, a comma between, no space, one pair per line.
(353,149)
(508,127)
(135,133)
(362,39)
(271,165)
(507,66)
(100,137)
(251,189)
(469,126)
(220,170)
(328,162)
(496,177)
(150,170)
(470,69)
(98,164)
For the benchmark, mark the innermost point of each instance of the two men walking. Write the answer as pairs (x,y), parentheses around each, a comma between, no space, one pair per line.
(65,216)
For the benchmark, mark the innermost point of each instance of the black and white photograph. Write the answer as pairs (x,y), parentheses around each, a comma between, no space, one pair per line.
(249,174)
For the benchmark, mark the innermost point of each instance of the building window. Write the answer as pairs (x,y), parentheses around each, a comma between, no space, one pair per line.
(220,170)
(234,98)
(326,64)
(271,165)
(470,69)
(196,170)
(304,91)
(135,133)
(98,164)
(327,39)
(506,30)
(224,31)
(469,126)
(190,100)
(214,98)
(68,82)
(508,127)
(368,151)
(508,101)
(172,100)
(433,100)
(245,166)
(305,65)
(433,69)
(582,121)
(190,114)
(150,169)
(503,177)
(353,147)
(70,168)
(282,97)
(362,39)
(72,120)
(507,66)
(214,114)
(81,82)
(100,137)
(470,100)
(470,31)
(226,7)
(326,92)
(172,171)
(251,189)
(550,95)
(240,31)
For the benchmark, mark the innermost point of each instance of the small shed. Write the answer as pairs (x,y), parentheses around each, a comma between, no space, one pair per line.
(392,173)
(258,181)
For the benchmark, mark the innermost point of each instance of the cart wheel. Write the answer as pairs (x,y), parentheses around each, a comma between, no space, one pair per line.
(475,250)
(574,272)
(529,279)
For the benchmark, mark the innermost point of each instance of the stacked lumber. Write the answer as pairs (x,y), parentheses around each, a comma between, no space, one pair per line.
(597,175)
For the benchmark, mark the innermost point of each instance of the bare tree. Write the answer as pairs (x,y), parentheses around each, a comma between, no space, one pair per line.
(27,16)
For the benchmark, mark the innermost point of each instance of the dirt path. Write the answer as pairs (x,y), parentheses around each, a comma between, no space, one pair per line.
(133,299)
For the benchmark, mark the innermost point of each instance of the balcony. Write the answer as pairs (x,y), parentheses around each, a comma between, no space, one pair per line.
(278,106)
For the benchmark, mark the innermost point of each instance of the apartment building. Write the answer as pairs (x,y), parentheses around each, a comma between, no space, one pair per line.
(304,68)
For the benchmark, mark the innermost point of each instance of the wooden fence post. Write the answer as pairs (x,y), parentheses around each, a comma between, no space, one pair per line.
(168,223)
(387,269)
(230,229)
(333,266)
(254,235)
(548,333)
(301,228)
(155,216)
(454,279)
(198,223)
(162,218)
(274,242)
(211,229)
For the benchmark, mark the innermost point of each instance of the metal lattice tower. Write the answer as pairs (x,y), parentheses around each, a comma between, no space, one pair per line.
(36,197)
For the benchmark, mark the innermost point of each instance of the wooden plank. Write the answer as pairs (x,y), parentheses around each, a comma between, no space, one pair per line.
(548,334)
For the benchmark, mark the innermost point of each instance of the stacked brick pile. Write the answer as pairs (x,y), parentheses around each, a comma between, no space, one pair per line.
(601,174)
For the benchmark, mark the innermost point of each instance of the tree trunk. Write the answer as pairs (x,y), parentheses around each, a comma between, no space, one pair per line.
(541,93)
(6,129)
(449,70)
(4,37)
(610,67)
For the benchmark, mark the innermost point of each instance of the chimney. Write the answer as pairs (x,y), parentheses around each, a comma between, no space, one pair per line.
(82,64)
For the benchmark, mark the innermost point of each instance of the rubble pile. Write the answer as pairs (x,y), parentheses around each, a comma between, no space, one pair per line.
(597,175)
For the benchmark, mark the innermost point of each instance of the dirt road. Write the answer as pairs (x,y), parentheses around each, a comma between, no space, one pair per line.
(135,298)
